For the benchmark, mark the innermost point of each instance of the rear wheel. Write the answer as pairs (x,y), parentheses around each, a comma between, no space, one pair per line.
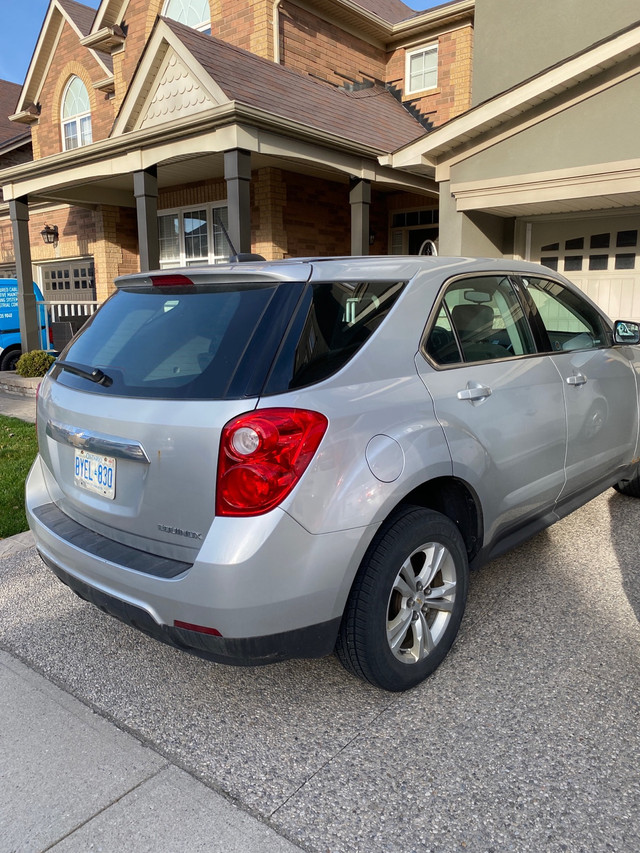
(8,360)
(407,601)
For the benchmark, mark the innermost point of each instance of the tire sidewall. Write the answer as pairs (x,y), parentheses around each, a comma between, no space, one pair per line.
(408,533)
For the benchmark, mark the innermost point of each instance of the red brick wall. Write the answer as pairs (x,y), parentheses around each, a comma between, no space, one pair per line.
(312,45)
(317,217)
(70,58)
(453,93)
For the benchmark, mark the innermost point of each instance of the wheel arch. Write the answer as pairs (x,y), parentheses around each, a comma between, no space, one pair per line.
(456,500)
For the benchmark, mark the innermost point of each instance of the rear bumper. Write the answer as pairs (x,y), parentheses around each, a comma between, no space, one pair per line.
(313,641)
(270,589)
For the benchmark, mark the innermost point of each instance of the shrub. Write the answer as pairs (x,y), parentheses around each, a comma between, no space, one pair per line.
(34,363)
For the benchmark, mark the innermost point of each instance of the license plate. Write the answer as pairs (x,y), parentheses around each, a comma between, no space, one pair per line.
(95,473)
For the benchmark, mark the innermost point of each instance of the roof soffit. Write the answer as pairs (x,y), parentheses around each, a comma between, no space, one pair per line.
(55,19)
(110,13)
(556,89)
(372,28)
(169,84)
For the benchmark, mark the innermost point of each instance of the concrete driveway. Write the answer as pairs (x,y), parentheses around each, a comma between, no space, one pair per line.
(526,739)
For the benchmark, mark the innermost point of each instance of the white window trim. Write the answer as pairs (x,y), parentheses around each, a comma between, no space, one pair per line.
(183,261)
(76,119)
(424,48)
(203,26)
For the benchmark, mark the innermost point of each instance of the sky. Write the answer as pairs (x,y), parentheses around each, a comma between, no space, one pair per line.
(22,19)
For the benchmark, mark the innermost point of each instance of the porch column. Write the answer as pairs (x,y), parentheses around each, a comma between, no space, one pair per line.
(145,189)
(27,310)
(360,200)
(237,174)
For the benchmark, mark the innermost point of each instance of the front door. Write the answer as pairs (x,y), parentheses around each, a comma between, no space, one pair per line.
(599,385)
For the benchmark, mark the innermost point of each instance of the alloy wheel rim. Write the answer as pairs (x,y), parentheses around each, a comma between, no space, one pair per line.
(421,602)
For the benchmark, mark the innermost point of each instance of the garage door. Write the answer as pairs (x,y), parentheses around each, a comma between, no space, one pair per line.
(600,255)
(68,281)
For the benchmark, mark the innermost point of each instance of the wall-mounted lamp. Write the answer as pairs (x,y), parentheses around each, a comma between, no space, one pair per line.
(372,238)
(50,234)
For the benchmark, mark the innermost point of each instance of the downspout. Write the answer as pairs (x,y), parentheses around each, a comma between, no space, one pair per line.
(276,31)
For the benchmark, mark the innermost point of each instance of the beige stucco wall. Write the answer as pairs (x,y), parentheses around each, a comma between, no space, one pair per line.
(604,128)
(515,39)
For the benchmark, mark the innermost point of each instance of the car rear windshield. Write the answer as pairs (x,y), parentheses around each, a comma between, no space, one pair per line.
(223,341)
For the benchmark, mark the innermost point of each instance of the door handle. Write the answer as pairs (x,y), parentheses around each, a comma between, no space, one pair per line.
(577,379)
(474,392)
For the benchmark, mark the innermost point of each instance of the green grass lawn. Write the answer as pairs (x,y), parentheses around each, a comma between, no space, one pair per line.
(18,447)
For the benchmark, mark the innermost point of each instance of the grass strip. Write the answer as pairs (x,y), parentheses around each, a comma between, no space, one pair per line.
(18,448)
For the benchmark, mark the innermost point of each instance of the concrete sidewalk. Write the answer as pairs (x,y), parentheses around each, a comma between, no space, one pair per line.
(70,780)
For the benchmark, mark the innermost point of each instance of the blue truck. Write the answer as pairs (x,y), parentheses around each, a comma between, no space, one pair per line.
(10,343)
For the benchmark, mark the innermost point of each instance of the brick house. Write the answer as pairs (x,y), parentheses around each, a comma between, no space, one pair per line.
(157,125)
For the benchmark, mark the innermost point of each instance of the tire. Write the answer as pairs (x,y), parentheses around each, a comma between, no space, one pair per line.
(8,360)
(397,626)
(630,487)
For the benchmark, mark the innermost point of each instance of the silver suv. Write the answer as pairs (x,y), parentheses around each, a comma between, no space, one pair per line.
(270,460)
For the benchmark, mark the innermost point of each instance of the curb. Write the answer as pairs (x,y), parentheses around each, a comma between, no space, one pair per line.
(25,386)
(14,544)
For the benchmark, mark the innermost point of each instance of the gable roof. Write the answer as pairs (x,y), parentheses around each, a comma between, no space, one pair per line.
(371,116)
(392,11)
(617,57)
(60,12)
(10,135)
(81,15)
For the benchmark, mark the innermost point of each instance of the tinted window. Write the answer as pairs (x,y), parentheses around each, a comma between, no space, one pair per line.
(570,321)
(180,342)
(333,321)
(482,317)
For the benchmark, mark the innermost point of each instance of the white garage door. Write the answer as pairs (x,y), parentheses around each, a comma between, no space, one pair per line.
(601,255)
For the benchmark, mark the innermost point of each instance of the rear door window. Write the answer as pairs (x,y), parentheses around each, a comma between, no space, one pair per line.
(479,319)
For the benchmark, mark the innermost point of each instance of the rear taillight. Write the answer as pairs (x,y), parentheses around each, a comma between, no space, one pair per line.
(263,454)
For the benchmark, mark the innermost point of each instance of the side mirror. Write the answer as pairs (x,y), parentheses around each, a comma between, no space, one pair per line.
(626,332)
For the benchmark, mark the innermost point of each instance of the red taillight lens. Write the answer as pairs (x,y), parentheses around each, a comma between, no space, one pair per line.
(171,280)
(263,454)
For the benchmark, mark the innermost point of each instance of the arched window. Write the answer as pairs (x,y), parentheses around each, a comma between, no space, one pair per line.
(193,13)
(76,115)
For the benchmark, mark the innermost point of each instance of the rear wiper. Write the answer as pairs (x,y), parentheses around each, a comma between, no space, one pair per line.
(93,374)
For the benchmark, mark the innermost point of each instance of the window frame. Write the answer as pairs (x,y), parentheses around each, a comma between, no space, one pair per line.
(203,27)
(182,260)
(77,119)
(430,48)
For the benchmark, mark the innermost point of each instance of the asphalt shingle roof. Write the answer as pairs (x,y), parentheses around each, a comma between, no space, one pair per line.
(392,11)
(82,16)
(9,94)
(369,116)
